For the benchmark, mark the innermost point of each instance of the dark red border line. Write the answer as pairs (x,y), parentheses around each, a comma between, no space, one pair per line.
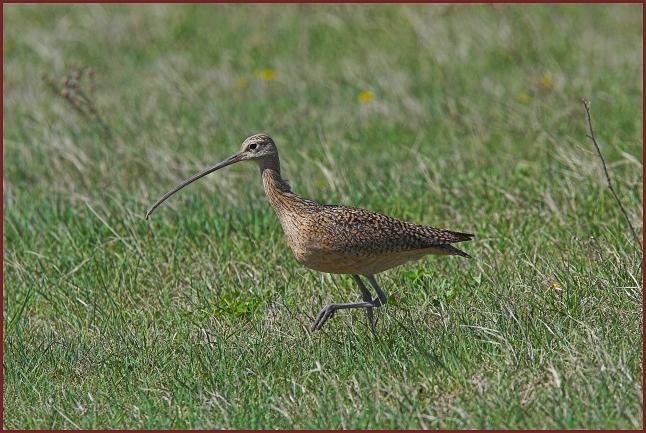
(275,2)
(324,2)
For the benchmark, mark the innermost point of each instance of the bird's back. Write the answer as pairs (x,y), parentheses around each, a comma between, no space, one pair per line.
(360,231)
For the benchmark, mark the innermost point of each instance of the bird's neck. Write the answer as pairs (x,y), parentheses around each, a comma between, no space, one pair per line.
(278,191)
(271,163)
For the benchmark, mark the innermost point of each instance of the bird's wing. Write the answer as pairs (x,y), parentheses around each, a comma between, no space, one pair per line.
(360,230)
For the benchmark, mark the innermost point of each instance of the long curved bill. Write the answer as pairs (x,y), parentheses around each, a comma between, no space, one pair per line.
(231,160)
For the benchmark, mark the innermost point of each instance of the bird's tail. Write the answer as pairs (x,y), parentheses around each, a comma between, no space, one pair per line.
(451,250)
(461,237)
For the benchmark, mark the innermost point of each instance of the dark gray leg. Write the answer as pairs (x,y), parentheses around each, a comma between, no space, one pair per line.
(329,310)
(365,293)
(381,296)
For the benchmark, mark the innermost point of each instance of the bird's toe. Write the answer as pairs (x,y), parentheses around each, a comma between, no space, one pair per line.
(324,315)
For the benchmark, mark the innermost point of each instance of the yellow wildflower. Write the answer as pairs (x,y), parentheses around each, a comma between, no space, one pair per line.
(240,83)
(266,74)
(522,97)
(366,96)
(547,80)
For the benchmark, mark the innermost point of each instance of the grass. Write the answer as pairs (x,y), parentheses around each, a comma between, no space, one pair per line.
(465,117)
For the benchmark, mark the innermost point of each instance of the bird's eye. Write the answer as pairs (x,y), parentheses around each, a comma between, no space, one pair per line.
(252,146)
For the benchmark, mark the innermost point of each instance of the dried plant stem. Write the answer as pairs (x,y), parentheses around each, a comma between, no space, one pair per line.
(592,137)
(70,88)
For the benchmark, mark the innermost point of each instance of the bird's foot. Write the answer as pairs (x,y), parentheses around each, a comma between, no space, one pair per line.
(324,315)
(329,310)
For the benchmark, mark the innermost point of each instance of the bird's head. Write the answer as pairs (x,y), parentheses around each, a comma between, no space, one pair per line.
(258,147)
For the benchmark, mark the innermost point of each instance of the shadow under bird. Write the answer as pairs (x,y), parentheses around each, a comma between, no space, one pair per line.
(337,239)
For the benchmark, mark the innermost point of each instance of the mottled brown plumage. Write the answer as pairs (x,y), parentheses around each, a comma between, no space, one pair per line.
(348,240)
(338,239)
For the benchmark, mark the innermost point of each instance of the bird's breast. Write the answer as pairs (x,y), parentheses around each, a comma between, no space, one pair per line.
(299,237)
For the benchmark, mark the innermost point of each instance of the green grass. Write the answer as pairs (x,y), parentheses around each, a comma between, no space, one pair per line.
(198,317)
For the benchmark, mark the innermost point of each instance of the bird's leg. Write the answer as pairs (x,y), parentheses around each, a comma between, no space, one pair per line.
(365,293)
(329,310)
(381,296)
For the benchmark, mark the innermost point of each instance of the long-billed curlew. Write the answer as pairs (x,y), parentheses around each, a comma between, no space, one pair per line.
(337,239)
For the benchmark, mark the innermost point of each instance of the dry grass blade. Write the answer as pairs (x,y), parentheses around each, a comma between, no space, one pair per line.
(592,137)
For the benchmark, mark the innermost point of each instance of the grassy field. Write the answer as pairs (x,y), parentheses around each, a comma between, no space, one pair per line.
(460,117)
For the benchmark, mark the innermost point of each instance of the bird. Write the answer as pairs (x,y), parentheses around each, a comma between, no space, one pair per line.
(336,239)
